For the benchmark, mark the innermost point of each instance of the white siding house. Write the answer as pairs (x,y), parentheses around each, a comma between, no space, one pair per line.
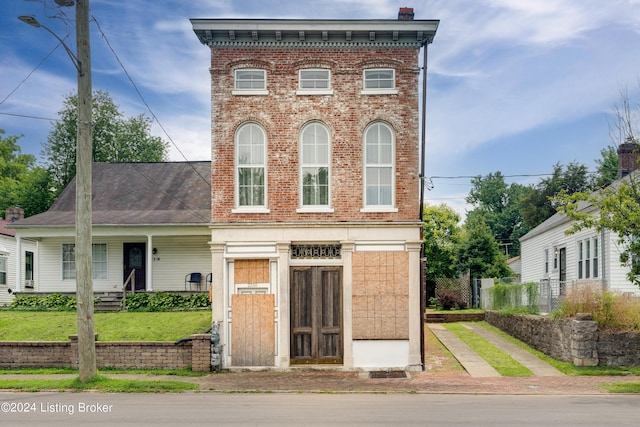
(584,258)
(151,218)
(9,263)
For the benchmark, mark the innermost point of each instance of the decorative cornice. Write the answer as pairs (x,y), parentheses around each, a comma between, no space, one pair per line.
(283,33)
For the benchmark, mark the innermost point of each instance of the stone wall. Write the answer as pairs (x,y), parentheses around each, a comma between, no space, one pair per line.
(578,340)
(150,355)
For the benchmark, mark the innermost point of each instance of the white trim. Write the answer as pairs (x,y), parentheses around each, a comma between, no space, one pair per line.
(306,92)
(315,209)
(381,208)
(251,209)
(240,92)
(379,92)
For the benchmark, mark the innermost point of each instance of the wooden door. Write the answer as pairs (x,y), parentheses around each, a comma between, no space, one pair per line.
(316,315)
(134,258)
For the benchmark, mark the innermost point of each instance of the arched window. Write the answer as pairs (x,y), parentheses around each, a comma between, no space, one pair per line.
(251,166)
(379,165)
(315,168)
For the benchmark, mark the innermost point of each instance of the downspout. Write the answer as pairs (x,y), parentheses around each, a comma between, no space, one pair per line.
(423,286)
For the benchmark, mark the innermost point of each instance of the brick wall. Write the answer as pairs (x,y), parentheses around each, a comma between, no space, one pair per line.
(282,114)
(151,355)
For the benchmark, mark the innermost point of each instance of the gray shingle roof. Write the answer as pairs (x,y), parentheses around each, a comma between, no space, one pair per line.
(137,194)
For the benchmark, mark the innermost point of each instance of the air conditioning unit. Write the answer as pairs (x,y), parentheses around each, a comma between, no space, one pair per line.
(28,284)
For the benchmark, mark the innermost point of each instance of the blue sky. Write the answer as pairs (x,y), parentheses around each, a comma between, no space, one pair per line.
(513,85)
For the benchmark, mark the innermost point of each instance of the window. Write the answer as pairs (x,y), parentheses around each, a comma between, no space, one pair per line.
(314,165)
(378,169)
(99,258)
(588,258)
(3,270)
(580,259)
(555,257)
(250,81)
(379,81)
(595,257)
(546,261)
(100,261)
(250,166)
(314,81)
(68,261)
(28,265)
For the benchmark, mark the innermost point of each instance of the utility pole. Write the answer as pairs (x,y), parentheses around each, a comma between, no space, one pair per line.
(84,215)
(84,158)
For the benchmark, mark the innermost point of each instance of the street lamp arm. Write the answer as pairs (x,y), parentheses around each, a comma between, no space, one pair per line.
(31,20)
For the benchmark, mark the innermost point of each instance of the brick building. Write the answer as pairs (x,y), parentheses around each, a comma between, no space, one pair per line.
(316,232)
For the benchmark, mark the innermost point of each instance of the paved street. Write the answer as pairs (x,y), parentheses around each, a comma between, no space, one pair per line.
(284,409)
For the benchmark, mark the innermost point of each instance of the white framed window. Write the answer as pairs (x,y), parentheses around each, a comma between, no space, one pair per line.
(379,155)
(546,261)
(379,81)
(588,258)
(315,169)
(3,270)
(250,81)
(98,265)
(314,81)
(68,261)
(251,169)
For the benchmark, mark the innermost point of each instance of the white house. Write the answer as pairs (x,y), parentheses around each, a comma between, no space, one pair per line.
(151,218)
(583,258)
(10,253)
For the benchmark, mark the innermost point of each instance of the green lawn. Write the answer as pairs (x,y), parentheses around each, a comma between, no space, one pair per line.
(100,384)
(121,326)
(503,363)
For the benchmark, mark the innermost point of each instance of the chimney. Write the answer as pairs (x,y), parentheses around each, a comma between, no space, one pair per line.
(628,153)
(14,214)
(405,14)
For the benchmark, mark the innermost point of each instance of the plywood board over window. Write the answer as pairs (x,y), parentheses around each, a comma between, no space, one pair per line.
(252,330)
(251,271)
(380,295)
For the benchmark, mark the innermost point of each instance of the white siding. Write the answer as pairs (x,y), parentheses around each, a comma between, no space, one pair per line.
(175,257)
(178,256)
(612,273)
(9,243)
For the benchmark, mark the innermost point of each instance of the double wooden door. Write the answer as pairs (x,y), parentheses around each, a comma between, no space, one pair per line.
(316,315)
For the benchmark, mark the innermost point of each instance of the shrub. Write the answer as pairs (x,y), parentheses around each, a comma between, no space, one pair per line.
(610,310)
(448,300)
(53,302)
(163,301)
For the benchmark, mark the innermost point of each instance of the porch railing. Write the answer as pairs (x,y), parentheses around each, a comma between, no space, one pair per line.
(131,280)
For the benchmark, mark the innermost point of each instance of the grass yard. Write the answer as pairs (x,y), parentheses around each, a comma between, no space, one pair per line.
(100,384)
(121,326)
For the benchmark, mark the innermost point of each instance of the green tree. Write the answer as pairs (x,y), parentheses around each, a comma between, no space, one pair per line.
(479,253)
(115,138)
(538,203)
(607,167)
(22,183)
(442,234)
(498,205)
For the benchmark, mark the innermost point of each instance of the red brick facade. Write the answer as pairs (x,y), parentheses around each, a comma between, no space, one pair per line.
(346,113)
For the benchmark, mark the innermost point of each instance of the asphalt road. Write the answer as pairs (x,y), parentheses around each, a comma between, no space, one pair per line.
(282,409)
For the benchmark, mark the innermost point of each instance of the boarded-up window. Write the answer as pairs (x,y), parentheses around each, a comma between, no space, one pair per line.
(380,295)
(251,271)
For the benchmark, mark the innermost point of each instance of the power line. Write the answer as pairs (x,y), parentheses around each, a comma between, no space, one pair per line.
(29,117)
(144,100)
(27,78)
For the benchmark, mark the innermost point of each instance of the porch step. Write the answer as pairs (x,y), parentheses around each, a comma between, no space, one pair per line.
(111,301)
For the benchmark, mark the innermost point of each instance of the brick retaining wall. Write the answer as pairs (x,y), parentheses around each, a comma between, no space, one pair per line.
(151,355)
